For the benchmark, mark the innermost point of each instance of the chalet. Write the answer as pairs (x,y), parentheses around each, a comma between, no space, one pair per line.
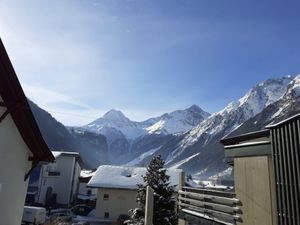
(117,188)
(59,181)
(22,145)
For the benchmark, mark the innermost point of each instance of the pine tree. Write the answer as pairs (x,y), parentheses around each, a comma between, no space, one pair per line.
(164,212)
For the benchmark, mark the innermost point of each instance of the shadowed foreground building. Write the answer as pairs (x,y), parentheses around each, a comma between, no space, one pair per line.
(266,181)
(22,146)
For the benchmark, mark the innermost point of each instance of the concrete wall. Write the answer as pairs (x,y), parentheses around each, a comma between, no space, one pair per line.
(62,184)
(119,202)
(14,165)
(254,187)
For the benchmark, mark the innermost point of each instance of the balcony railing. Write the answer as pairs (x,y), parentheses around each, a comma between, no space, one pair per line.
(219,206)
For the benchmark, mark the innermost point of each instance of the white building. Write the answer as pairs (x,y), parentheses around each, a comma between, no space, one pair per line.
(22,146)
(117,188)
(59,181)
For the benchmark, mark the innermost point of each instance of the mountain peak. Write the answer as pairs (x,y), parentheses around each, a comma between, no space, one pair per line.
(194,107)
(196,110)
(115,115)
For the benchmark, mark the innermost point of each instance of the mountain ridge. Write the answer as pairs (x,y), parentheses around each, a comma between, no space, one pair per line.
(196,148)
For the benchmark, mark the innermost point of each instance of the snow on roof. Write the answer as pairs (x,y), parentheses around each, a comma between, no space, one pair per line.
(123,177)
(87,173)
(58,154)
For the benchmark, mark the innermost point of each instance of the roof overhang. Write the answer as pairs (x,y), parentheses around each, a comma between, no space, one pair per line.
(271,126)
(245,137)
(248,149)
(17,106)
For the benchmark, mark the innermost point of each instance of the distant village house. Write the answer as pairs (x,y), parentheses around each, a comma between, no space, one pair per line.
(117,188)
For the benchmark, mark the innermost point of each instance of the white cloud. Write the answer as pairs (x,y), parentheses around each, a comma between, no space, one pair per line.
(45,97)
(65,109)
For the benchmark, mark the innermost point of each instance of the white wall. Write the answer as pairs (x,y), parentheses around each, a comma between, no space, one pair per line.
(14,165)
(62,184)
(119,202)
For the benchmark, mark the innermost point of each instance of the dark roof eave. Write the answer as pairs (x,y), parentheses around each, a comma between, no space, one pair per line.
(16,103)
(245,137)
(271,126)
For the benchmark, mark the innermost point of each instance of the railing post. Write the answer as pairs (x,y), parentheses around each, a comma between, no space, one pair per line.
(181,180)
(149,206)
(181,184)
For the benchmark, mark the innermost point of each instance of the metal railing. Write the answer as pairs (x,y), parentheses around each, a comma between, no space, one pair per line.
(219,206)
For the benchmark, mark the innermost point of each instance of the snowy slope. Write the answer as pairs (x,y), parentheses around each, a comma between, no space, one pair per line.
(175,122)
(237,112)
(204,138)
(286,106)
(141,157)
(179,121)
(117,120)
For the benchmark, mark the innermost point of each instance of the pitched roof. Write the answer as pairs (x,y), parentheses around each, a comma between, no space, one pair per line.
(16,103)
(122,177)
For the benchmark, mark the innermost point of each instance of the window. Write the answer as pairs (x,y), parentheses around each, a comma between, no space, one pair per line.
(89,192)
(106,215)
(105,196)
(53,173)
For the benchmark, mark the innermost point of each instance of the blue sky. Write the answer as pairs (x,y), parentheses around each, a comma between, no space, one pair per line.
(80,58)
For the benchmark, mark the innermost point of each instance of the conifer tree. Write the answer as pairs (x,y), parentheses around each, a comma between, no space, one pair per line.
(164,212)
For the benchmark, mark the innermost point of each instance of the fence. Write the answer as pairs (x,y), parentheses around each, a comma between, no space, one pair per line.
(219,206)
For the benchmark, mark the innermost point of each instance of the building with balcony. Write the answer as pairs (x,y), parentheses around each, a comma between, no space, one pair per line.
(266,166)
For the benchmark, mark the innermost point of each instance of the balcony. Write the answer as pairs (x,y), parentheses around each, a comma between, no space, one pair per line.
(220,206)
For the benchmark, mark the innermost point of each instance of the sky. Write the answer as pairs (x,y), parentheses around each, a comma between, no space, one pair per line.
(78,59)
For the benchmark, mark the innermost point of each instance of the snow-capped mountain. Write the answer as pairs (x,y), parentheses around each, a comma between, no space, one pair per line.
(178,121)
(118,121)
(128,138)
(288,105)
(198,151)
(237,112)
(175,122)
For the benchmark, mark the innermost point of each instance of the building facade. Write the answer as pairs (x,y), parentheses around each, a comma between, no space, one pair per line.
(253,176)
(59,181)
(267,173)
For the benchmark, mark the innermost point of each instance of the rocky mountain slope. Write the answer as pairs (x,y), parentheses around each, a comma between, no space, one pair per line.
(287,106)
(127,139)
(198,151)
(92,147)
(178,121)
